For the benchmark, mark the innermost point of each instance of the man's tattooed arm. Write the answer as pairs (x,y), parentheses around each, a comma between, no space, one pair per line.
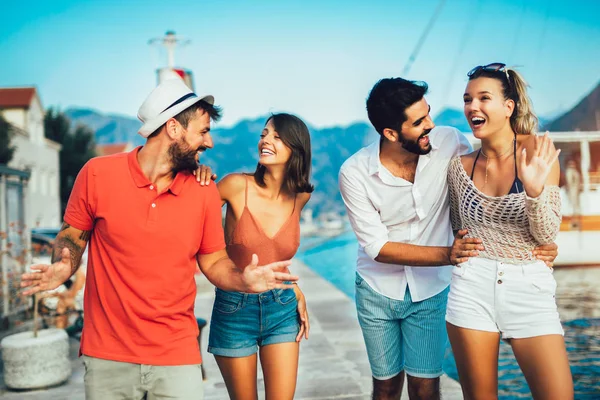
(73,239)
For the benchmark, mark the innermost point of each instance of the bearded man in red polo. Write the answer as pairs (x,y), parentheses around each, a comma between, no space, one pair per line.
(148,224)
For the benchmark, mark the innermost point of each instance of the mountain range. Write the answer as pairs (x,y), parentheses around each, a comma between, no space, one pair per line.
(236,146)
(585,116)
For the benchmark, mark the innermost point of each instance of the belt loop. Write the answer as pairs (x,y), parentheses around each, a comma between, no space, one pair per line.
(244,299)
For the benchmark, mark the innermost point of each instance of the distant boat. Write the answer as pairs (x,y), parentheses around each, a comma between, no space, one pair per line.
(308,227)
(579,237)
(328,224)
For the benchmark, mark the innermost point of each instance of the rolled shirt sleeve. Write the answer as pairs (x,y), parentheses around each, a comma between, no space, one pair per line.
(371,233)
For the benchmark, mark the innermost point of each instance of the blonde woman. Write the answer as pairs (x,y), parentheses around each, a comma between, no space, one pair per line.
(506,193)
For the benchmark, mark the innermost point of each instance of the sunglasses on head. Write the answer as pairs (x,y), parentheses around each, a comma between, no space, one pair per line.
(493,67)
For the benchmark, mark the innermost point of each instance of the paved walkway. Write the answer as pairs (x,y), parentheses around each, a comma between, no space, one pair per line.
(333,362)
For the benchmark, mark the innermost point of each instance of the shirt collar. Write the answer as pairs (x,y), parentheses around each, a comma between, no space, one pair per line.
(141,180)
(136,171)
(425,158)
(373,151)
(178,182)
(376,168)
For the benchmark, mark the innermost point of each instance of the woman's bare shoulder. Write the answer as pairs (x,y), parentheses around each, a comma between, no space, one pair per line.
(232,184)
(303,198)
(526,141)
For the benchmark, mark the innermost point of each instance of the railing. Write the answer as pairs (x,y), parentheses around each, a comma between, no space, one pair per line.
(14,239)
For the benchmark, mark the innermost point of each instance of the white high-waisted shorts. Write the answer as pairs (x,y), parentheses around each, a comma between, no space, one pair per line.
(516,300)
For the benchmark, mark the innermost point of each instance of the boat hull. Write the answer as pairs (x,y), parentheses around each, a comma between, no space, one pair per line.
(579,241)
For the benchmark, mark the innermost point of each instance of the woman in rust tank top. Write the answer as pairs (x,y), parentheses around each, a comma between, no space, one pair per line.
(263,219)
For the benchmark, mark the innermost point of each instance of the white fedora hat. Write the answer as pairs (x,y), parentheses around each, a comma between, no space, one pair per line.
(166,101)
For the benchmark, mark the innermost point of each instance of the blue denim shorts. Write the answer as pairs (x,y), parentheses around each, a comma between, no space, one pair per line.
(241,322)
(402,334)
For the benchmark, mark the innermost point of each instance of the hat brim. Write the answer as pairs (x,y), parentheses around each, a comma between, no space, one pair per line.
(152,125)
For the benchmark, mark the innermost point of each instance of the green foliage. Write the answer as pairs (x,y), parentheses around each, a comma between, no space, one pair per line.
(56,125)
(6,135)
(78,147)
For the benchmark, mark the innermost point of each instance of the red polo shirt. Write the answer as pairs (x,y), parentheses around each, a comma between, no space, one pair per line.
(140,288)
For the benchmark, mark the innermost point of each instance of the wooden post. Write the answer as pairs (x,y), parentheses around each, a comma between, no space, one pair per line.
(35,315)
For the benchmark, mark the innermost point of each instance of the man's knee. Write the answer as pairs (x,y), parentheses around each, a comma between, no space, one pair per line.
(388,389)
(423,388)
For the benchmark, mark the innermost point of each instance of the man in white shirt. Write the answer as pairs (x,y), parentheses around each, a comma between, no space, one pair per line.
(396,195)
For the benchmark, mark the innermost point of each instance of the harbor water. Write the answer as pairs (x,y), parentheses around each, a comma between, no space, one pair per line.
(578,299)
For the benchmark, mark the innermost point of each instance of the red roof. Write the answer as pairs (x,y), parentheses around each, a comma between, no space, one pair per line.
(108,149)
(16,97)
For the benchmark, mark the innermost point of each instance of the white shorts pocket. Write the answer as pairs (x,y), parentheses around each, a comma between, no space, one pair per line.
(460,269)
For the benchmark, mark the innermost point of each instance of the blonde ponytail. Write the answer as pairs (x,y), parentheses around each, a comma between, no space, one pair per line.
(523,119)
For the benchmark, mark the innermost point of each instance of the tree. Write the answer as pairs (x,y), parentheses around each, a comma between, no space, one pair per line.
(56,125)
(6,135)
(78,147)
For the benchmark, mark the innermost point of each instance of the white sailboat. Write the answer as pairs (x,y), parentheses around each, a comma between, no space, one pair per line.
(579,237)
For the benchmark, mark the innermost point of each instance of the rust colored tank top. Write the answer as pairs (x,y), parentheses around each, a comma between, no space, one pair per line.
(249,238)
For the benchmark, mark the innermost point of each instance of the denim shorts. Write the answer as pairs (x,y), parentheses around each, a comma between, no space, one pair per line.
(241,322)
(402,334)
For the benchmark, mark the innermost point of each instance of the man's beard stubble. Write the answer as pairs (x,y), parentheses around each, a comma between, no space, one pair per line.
(183,157)
(413,146)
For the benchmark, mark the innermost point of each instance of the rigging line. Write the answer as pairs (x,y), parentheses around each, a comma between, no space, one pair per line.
(543,35)
(462,45)
(518,30)
(417,48)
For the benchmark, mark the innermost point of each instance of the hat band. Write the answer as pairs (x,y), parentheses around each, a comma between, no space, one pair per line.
(187,96)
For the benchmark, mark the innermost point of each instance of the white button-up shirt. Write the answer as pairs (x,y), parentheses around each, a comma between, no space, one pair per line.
(383,208)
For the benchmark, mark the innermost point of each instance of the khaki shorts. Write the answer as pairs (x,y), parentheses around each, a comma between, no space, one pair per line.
(114,380)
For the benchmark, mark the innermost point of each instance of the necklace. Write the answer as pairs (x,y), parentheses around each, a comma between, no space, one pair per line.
(487,160)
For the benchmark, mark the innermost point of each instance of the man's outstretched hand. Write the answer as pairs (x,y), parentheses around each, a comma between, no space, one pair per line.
(47,277)
(259,279)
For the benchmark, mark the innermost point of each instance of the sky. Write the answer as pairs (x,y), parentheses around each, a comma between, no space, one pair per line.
(315,58)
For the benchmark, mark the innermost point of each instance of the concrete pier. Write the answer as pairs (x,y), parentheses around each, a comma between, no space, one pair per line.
(333,362)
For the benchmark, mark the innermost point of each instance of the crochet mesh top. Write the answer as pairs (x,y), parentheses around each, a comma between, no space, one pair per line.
(510,226)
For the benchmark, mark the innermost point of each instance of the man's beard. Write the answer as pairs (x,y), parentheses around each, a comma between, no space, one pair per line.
(183,157)
(413,146)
